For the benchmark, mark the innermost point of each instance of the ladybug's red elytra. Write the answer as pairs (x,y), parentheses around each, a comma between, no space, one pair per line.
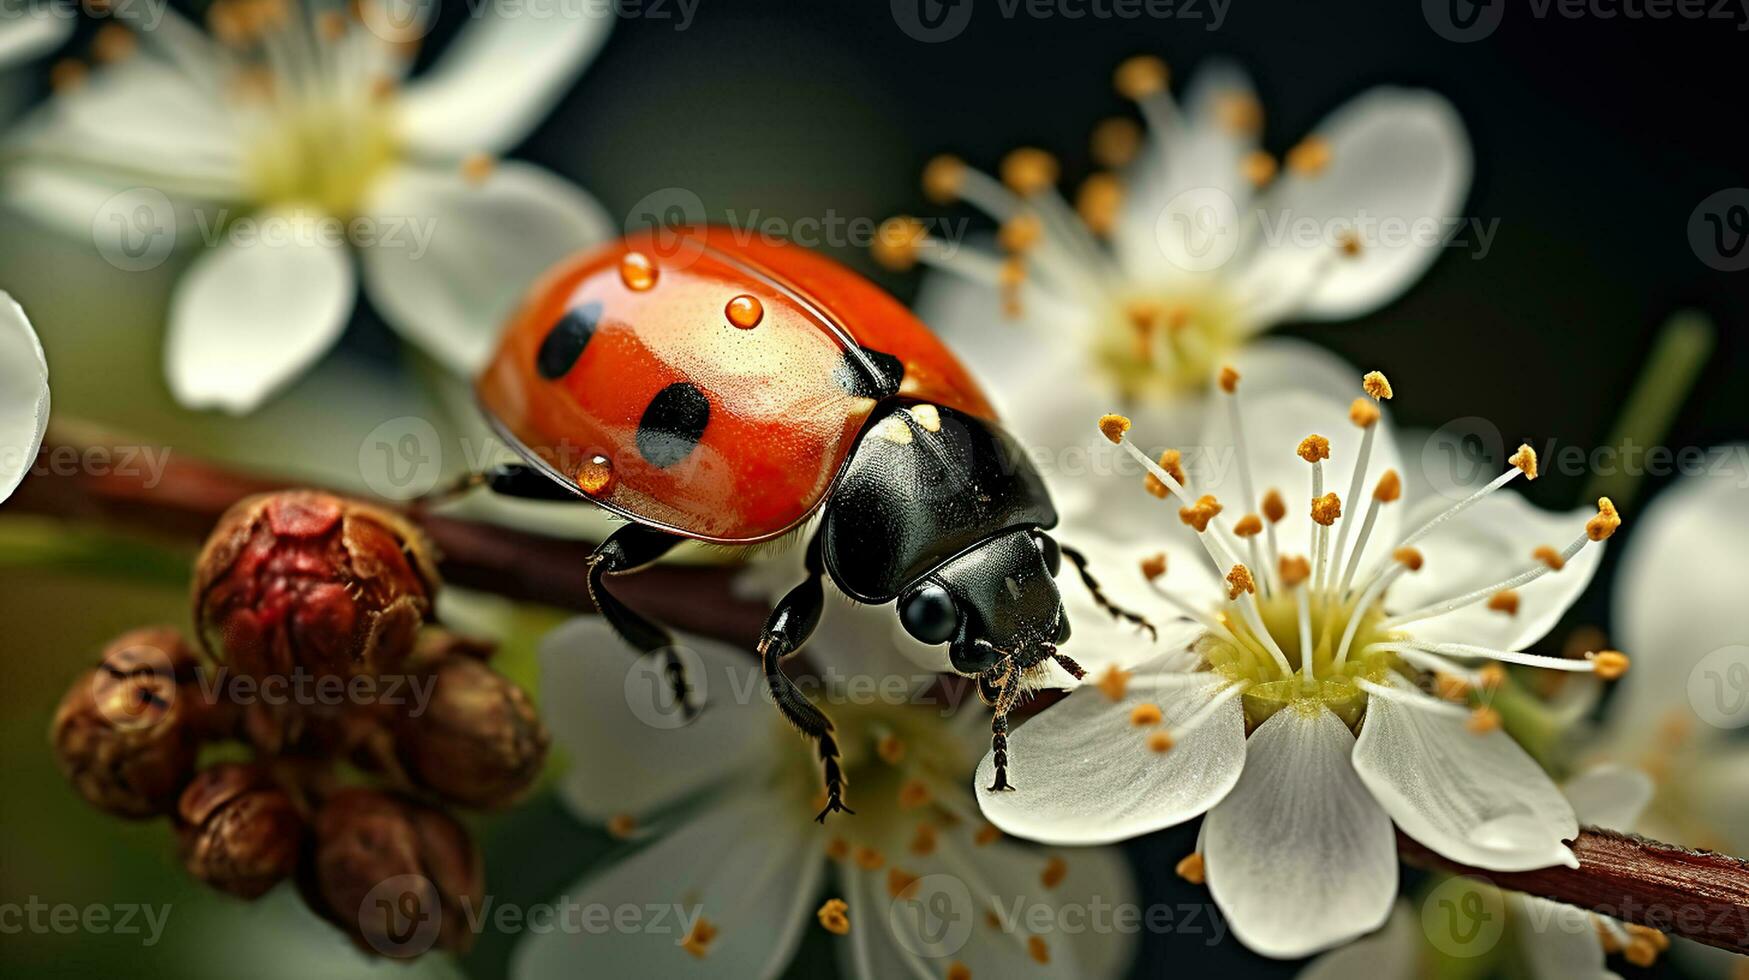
(741,388)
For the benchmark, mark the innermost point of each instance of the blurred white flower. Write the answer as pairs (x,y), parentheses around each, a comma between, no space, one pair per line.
(31,31)
(722,808)
(1189,245)
(24,395)
(289,135)
(1303,763)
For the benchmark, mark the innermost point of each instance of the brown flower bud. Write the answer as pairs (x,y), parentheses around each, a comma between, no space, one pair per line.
(304,581)
(393,874)
(240,832)
(477,740)
(126,733)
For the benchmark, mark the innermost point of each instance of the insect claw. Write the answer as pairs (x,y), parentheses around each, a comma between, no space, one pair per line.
(833,804)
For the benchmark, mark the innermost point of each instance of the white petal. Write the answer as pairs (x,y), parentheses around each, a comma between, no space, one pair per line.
(1609,796)
(247,318)
(24,395)
(1399,159)
(1679,590)
(1099,640)
(1392,953)
(1559,941)
(1475,798)
(465,253)
(631,750)
(88,207)
(749,872)
(1275,421)
(1720,792)
(1274,363)
(1085,774)
(500,77)
(31,33)
(1299,856)
(1486,544)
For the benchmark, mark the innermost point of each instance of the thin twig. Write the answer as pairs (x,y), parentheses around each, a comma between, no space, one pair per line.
(1699,895)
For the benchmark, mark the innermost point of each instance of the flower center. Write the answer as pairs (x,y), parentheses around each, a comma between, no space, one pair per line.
(321,151)
(1159,345)
(1269,688)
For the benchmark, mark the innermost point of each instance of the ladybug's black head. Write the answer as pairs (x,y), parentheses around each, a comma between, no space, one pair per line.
(996,605)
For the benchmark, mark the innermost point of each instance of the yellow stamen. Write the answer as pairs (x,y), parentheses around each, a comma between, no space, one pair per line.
(987,834)
(1029,170)
(1160,742)
(1310,157)
(943,177)
(1504,601)
(1483,720)
(1205,510)
(1239,112)
(1363,413)
(837,848)
(1326,509)
(1274,507)
(113,43)
(923,842)
(1313,448)
(1154,566)
(1036,948)
(1409,558)
(1239,581)
(1294,570)
(1525,460)
(1258,168)
(699,938)
(1114,682)
(621,826)
(1114,427)
(1377,385)
(1550,557)
(1229,379)
(476,167)
(1144,715)
(1139,77)
(1348,242)
(900,883)
(890,749)
(869,859)
(1191,869)
(1390,487)
(1020,232)
(1098,202)
(1450,687)
(835,916)
(1056,869)
(1249,526)
(1116,142)
(1604,524)
(67,75)
(913,794)
(1491,676)
(1610,664)
(958,971)
(898,242)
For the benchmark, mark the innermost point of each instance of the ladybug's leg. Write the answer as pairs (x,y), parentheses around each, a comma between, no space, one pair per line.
(1003,682)
(790,625)
(629,549)
(1117,612)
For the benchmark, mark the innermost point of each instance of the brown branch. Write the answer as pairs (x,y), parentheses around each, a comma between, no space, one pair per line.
(1699,895)
(1696,894)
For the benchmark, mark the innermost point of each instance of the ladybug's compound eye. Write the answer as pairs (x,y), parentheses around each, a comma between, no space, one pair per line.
(1062,630)
(929,615)
(1052,552)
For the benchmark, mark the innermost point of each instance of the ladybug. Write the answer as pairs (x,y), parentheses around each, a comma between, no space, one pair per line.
(741,390)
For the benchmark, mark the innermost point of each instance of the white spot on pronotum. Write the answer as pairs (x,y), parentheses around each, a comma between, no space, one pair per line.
(927,416)
(893,429)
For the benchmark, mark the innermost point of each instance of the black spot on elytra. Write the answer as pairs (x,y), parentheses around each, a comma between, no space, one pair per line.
(565,343)
(673,423)
(853,375)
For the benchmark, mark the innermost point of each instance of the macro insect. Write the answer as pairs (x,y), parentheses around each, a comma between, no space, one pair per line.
(739,391)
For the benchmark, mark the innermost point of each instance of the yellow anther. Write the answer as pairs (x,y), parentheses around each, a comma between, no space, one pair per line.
(1310,157)
(1172,461)
(1229,379)
(1410,558)
(1326,509)
(1010,278)
(113,43)
(1525,460)
(621,826)
(1550,557)
(67,75)
(1248,526)
(1604,524)
(1609,664)
(1294,569)
(1036,948)
(1450,687)
(835,916)
(1160,741)
(900,883)
(1363,413)
(1056,869)
(1139,77)
(1198,516)
(1491,677)
(1377,385)
(1348,243)
(1114,427)
(986,835)
(1504,601)
(1239,112)
(1114,682)
(476,167)
(1098,202)
(1239,581)
(1390,487)
(1258,168)
(1483,720)
(869,859)
(1274,507)
(958,971)
(1190,868)
(898,242)
(923,841)
(891,749)
(1313,448)
(1640,952)
(1145,715)
(1116,141)
(331,25)
(1029,170)
(1020,232)
(943,177)
(837,848)
(1154,566)
(698,939)
(914,793)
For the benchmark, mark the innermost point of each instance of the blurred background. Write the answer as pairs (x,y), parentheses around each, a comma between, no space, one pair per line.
(1596,141)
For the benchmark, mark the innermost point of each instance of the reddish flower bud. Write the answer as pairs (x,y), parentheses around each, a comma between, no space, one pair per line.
(477,739)
(303,581)
(240,832)
(393,874)
(126,733)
